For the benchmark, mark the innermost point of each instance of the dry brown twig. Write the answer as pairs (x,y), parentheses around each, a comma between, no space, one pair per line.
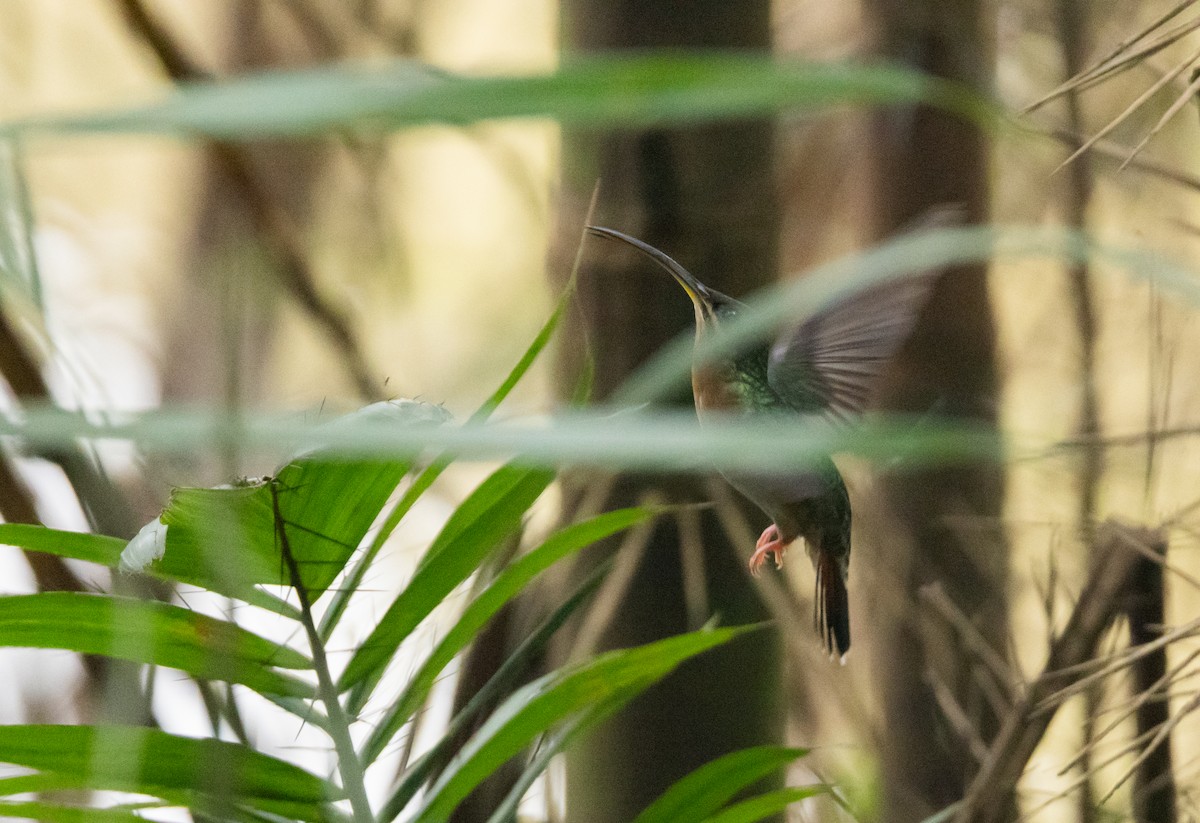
(1126,711)
(1129,111)
(611,594)
(1002,673)
(1100,669)
(1118,60)
(1129,53)
(273,226)
(956,715)
(1100,602)
(691,565)
(1116,151)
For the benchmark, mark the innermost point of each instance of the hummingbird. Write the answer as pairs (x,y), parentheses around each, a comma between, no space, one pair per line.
(827,368)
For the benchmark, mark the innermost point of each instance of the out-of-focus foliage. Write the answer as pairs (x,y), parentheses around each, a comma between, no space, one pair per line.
(299,529)
(461,207)
(639,90)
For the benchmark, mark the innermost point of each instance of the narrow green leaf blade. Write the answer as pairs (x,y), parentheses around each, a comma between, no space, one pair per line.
(126,758)
(150,632)
(647,89)
(18,263)
(506,586)
(550,746)
(708,788)
(329,502)
(765,805)
(35,783)
(528,358)
(226,540)
(56,813)
(94,548)
(106,551)
(556,698)
(340,599)
(501,683)
(491,513)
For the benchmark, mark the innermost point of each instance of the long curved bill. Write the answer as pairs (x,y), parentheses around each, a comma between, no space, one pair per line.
(695,289)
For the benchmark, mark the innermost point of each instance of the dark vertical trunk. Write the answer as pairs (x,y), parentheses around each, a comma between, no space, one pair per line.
(223,249)
(706,196)
(924,158)
(1154,778)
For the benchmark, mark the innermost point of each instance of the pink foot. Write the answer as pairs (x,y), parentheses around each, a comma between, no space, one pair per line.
(769,542)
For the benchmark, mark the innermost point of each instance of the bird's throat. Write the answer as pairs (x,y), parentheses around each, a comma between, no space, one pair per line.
(714,389)
(734,385)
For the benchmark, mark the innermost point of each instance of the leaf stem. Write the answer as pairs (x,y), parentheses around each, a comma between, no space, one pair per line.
(349,766)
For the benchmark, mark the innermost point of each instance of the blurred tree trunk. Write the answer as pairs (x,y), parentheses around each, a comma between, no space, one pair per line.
(221,332)
(1073,22)
(253,204)
(706,196)
(924,158)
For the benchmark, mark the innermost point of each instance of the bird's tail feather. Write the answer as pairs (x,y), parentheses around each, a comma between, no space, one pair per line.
(832,605)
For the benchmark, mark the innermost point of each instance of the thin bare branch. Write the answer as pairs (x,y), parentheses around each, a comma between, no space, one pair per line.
(1099,603)
(1156,745)
(1135,105)
(998,701)
(273,226)
(1114,65)
(612,592)
(1180,101)
(956,716)
(1072,21)
(1138,439)
(1001,671)
(1125,711)
(1113,756)
(1115,151)
(1108,666)
(1166,17)
(691,563)
(1156,558)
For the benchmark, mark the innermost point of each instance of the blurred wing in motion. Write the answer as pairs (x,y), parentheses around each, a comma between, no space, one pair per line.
(832,363)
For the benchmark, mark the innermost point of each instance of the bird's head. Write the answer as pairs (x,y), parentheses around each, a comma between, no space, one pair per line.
(712,307)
